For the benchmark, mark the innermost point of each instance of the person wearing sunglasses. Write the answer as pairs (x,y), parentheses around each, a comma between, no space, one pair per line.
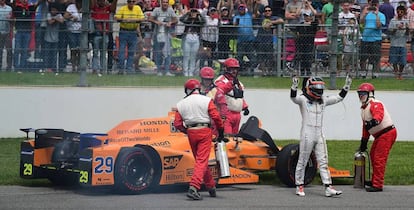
(264,39)
(378,123)
(129,16)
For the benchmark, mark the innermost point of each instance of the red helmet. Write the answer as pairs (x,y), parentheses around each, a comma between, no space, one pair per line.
(191,85)
(231,63)
(366,87)
(207,73)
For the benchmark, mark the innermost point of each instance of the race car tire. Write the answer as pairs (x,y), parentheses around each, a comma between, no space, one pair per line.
(135,172)
(286,165)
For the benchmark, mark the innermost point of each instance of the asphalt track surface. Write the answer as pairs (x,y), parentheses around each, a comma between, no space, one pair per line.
(229,197)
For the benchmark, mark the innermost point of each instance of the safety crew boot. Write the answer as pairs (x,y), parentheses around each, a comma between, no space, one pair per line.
(212,192)
(193,193)
(373,189)
(330,191)
(300,191)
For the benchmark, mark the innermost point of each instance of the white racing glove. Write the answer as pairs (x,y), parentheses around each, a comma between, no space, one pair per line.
(295,82)
(348,82)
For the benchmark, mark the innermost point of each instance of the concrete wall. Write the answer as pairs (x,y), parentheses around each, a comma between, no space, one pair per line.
(99,109)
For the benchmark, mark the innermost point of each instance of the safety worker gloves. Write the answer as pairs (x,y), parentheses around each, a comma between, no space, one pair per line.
(246,112)
(364,145)
(221,137)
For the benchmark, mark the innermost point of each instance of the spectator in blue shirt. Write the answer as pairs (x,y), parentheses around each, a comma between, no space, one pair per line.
(373,21)
(245,36)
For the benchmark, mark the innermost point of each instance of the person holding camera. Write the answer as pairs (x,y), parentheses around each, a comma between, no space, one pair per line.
(373,21)
(209,35)
(193,22)
(398,32)
(245,34)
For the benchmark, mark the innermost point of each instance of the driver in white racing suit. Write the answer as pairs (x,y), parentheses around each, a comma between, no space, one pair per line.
(312,104)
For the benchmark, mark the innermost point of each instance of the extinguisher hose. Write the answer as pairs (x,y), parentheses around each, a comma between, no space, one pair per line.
(369,165)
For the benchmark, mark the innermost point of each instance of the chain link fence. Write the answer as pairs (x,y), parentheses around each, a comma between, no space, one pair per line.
(280,50)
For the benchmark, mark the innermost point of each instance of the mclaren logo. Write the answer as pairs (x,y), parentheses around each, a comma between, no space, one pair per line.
(154,122)
(170,162)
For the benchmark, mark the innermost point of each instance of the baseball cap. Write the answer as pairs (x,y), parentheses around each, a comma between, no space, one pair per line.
(212,9)
(307,13)
(242,6)
(224,8)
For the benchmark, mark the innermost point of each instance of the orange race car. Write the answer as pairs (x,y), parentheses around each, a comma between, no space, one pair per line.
(139,155)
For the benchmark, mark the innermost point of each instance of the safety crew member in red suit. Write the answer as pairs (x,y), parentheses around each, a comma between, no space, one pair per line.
(193,117)
(378,123)
(229,97)
(208,88)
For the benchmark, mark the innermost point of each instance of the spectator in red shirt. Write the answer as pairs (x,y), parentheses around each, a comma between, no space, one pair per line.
(101,12)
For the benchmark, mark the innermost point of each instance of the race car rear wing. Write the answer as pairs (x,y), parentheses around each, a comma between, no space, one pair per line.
(250,131)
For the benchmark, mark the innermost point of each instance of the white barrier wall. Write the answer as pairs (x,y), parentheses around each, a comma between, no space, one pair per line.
(100,109)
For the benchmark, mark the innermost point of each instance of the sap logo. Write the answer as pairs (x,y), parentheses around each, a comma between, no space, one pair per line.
(170,162)
(154,122)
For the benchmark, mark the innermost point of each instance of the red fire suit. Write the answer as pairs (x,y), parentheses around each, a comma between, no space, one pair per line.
(211,91)
(384,135)
(229,104)
(193,117)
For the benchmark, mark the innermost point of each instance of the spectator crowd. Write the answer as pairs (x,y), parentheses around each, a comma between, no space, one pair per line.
(170,37)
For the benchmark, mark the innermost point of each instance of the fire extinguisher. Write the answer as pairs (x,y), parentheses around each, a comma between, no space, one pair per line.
(359,169)
(222,158)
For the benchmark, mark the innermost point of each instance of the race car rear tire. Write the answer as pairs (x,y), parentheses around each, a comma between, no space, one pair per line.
(135,172)
(286,165)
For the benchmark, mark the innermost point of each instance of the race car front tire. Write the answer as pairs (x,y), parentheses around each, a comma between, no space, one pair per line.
(286,165)
(135,172)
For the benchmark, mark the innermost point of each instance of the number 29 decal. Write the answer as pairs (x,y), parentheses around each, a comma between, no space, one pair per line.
(104,165)
(28,169)
(83,178)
